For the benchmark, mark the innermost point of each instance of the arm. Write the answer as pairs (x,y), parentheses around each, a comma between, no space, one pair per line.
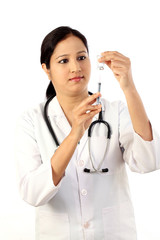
(140,152)
(34,176)
(121,67)
(138,114)
(140,155)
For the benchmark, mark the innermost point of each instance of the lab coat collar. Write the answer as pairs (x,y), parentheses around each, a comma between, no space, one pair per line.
(54,108)
(55,111)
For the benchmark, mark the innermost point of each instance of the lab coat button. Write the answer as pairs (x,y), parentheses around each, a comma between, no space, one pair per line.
(80,163)
(84,192)
(86,225)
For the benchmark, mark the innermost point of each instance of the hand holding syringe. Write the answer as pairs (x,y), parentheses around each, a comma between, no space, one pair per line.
(100,68)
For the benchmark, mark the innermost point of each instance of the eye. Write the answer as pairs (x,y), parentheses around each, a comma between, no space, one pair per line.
(63,61)
(81,58)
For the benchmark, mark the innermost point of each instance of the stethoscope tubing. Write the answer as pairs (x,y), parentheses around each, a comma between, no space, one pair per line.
(48,123)
(100,120)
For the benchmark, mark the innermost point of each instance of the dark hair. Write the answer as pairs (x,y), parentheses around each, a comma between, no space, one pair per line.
(48,45)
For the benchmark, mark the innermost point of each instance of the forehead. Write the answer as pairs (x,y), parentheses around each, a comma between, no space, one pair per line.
(71,44)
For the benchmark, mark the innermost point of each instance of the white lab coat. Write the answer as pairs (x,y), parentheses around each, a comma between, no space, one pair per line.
(82,206)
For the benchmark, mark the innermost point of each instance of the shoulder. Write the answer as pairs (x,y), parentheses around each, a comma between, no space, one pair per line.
(29,115)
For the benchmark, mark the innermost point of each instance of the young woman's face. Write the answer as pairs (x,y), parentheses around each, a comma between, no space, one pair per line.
(70,67)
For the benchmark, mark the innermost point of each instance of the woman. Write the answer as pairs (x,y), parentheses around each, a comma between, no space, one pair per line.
(71,203)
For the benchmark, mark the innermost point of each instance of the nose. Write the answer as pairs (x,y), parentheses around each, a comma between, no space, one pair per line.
(75,66)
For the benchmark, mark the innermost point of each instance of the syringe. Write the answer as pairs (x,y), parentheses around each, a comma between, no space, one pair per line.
(100,67)
(99,90)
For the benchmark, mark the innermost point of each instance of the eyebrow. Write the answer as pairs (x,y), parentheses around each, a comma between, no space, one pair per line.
(64,55)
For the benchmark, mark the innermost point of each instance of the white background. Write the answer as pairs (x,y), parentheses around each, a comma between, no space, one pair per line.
(130,27)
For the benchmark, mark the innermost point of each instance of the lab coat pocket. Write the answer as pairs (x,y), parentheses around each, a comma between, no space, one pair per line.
(118,222)
(53,226)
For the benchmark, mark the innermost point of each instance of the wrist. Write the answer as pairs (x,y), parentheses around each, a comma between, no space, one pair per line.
(74,137)
(129,90)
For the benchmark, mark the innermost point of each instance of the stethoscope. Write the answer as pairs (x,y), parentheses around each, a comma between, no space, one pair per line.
(90,129)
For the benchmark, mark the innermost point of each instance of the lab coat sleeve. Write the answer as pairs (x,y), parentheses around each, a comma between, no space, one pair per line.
(141,156)
(34,177)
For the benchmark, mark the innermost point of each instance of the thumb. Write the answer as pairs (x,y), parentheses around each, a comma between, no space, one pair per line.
(108,63)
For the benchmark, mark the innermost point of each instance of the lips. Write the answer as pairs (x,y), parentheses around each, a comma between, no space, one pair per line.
(76,79)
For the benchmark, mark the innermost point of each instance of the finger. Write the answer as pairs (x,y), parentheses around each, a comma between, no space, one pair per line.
(93,108)
(91,99)
(119,72)
(115,63)
(108,63)
(119,64)
(110,56)
(89,108)
(90,114)
(86,108)
(114,53)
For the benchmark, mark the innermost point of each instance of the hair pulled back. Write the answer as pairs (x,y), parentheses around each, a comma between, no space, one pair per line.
(49,44)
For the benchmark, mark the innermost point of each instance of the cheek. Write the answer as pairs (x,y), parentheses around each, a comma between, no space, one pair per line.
(56,73)
(87,68)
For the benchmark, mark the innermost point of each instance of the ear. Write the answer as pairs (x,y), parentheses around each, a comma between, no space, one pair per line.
(47,71)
